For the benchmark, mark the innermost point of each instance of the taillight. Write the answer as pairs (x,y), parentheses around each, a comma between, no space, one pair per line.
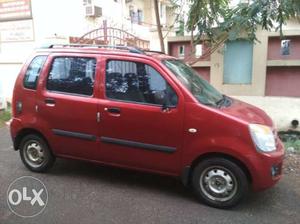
(19,107)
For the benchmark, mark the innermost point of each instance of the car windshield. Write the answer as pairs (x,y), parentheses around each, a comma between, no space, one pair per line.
(200,88)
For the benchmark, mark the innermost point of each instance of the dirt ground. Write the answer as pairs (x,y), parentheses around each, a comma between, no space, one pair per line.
(292,163)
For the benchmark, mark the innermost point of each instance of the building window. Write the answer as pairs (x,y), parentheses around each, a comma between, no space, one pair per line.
(285,47)
(131,15)
(87,2)
(162,10)
(181,51)
(238,58)
(134,16)
(72,75)
(140,16)
(198,50)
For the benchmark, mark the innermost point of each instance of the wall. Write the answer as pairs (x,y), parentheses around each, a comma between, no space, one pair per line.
(204,72)
(173,48)
(168,20)
(282,110)
(257,85)
(8,74)
(283,81)
(283,72)
(274,48)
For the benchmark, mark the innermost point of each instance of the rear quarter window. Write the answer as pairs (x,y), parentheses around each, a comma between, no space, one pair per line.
(33,72)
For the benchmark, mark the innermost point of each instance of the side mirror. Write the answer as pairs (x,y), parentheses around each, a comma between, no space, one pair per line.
(162,98)
(165,108)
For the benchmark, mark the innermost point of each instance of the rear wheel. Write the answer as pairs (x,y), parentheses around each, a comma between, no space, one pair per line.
(35,153)
(219,182)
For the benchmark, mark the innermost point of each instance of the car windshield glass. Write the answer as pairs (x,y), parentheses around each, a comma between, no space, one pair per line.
(200,88)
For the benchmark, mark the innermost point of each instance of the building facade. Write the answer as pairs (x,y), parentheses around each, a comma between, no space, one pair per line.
(270,67)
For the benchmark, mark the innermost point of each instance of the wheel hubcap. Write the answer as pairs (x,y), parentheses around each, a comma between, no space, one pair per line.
(34,153)
(218,183)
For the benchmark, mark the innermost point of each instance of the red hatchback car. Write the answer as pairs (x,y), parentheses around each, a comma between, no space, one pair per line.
(146,111)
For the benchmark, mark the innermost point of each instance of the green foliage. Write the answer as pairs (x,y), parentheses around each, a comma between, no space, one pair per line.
(215,18)
(180,32)
(290,139)
(206,15)
(4,116)
(293,144)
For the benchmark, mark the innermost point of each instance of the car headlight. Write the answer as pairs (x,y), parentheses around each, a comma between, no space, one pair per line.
(263,137)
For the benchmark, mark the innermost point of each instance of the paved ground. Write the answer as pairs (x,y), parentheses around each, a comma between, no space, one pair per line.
(85,193)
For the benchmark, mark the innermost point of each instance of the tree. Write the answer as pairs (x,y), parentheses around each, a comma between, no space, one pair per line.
(220,22)
(159,31)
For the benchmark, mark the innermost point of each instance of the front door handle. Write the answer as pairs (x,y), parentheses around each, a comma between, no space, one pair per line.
(113,110)
(50,101)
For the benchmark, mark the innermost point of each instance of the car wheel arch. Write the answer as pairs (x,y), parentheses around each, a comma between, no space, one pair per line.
(27,131)
(188,170)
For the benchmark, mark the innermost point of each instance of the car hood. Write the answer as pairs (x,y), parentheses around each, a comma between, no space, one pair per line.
(247,113)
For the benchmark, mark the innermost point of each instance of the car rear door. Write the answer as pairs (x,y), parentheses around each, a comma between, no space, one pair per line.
(135,130)
(67,105)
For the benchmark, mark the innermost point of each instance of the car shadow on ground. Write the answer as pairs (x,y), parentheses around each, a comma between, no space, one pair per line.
(171,186)
(118,177)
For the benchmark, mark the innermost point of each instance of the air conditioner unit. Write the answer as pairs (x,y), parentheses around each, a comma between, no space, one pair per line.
(93,11)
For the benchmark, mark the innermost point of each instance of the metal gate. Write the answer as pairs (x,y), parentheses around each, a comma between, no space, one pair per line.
(111,36)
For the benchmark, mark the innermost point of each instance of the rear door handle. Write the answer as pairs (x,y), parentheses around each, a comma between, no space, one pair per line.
(50,102)
(113,110)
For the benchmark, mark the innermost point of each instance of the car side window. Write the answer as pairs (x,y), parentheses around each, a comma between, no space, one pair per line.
(33,72)
(75,75)
(137,82)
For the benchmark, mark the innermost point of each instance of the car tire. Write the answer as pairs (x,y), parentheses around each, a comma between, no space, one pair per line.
(36,154)
(219,182)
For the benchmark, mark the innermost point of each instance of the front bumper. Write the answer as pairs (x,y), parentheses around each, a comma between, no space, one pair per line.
(268,168)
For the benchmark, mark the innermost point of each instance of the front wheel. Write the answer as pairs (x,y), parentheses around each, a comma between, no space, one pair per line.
(35,153)
(219,182)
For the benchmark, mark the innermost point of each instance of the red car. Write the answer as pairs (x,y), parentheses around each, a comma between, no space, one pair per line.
(145,111)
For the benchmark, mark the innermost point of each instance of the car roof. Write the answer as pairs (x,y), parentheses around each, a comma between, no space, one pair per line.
(105,50)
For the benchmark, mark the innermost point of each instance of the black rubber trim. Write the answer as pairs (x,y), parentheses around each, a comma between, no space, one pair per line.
(133,144)
(185,175)
(74,134)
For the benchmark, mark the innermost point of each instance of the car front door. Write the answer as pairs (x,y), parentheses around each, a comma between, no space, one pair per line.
(67,105)
(141,116)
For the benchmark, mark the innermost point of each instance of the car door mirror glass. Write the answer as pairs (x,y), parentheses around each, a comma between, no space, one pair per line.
(165,100)
(160,97)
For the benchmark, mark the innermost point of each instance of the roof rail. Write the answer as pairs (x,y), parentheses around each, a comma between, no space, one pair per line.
(119,47)
(158,52)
